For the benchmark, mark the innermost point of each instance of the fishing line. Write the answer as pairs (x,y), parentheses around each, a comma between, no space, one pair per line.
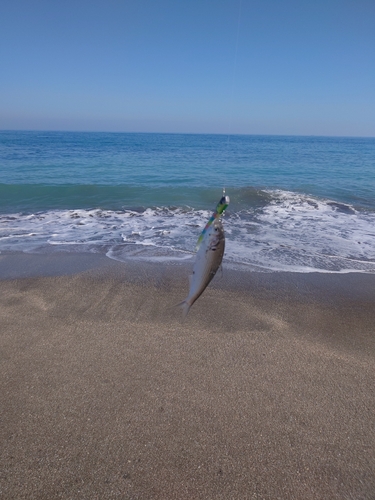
(231,98)
(224,201)
(234,72)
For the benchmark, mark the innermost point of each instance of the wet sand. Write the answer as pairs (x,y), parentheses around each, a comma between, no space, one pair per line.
(266,390)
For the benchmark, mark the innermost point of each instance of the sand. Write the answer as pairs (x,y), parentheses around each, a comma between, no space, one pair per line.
(265,391)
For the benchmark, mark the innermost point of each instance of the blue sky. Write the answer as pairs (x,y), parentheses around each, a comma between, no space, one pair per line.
(196,66)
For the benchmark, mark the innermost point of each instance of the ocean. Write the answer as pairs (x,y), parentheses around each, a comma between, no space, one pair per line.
(299,204)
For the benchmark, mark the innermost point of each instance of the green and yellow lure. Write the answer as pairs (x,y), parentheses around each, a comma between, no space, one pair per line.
(220,208)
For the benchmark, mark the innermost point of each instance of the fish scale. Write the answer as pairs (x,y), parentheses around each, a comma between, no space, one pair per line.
(207,262)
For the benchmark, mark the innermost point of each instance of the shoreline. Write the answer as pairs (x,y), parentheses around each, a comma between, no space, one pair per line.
(327,286)
(264,391)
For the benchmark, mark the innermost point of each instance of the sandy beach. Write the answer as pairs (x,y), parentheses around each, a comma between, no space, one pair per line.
(265,391)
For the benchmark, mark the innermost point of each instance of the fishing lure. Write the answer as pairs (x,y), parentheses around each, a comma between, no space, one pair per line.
(220,208)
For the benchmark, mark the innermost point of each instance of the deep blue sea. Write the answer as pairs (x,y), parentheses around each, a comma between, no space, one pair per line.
(298,204)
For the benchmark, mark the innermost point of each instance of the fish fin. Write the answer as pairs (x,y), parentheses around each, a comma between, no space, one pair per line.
(185,307)
(221,271)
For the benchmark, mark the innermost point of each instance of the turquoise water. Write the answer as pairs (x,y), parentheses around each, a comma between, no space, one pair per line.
(297,203)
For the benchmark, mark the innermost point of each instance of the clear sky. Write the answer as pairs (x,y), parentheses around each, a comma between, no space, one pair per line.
(303,67)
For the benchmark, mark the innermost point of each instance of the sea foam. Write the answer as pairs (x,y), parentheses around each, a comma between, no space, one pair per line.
(291,232)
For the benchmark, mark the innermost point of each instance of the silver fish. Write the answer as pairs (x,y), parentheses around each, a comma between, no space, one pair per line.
(207,262)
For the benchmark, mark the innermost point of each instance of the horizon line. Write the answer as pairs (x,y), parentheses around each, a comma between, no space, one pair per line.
(188,133)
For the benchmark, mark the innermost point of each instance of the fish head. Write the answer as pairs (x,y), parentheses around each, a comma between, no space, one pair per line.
(216,236)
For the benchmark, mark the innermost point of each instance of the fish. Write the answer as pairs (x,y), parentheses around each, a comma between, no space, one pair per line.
(208,260)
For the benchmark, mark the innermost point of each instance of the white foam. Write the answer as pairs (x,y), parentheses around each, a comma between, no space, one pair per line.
(291,233)
(299,233)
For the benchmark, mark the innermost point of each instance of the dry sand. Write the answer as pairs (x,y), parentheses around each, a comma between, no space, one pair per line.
(266,390)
